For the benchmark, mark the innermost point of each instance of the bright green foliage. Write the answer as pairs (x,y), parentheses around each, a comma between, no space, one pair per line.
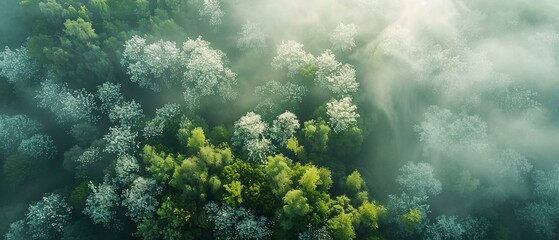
(412,219)
(296,206)
(200,173)
(252,177)
(354,182)
(234,190)
(309,71)
(79,29)
(216,158)
(310,179)
(191,178)
(160,165)
(197,139)
(278,174)
(370,213)
(341,227)
(293,146)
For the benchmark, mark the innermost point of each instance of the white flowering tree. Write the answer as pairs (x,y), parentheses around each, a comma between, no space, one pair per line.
(512,165)
(252,37)
(17,66)
(47,218)
(210,11)
(150,65)
(17,231)
(68,105)
(101,204)
(445,132)
(141,198)
(418,183)
(418,180)
(88,158)
(331,74)
(126,169)
(251,133)
(236,223)
(128,114)
(343,37)
(206,73)
(110,95)
(341,114)
(283,127)
(445,227)
(276,97)
(200,69)
(156,126)
(38,147)
(120,140)
(14,129)
(290,55)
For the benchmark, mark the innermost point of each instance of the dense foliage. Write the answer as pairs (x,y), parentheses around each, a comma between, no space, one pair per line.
(214,119)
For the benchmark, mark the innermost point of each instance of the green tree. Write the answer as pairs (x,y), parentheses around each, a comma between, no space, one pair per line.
(341,227)
(278,174)
(160,165)
(18,170)
(168,224)
(197,139)
(295,207)
(316,136)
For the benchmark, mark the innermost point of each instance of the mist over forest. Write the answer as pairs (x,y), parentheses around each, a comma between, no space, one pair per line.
(260,119)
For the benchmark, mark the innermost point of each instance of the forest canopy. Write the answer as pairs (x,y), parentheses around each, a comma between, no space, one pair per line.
(213,119)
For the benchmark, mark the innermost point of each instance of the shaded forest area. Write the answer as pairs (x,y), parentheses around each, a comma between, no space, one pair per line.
(209,119)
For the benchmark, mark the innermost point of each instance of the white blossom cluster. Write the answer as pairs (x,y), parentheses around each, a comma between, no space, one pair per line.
(276,96)
(128,114)
(206,73)
(255,137)
(38,147)
(14,129)
(17,65)
(343,37)
(341,114)
(110,95)
(290,55)
(89,157)
(338,78)
(149,64)
(200,69)
(236,223)
(512,165)
(211,11)
(126,169)
(47,218)
(418,180)
(283,127)
(252,37)
(16,231)
(101,204)
(445,132)
(141,198)
(120,140)
(155,127)
(69,106)
(251,134)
